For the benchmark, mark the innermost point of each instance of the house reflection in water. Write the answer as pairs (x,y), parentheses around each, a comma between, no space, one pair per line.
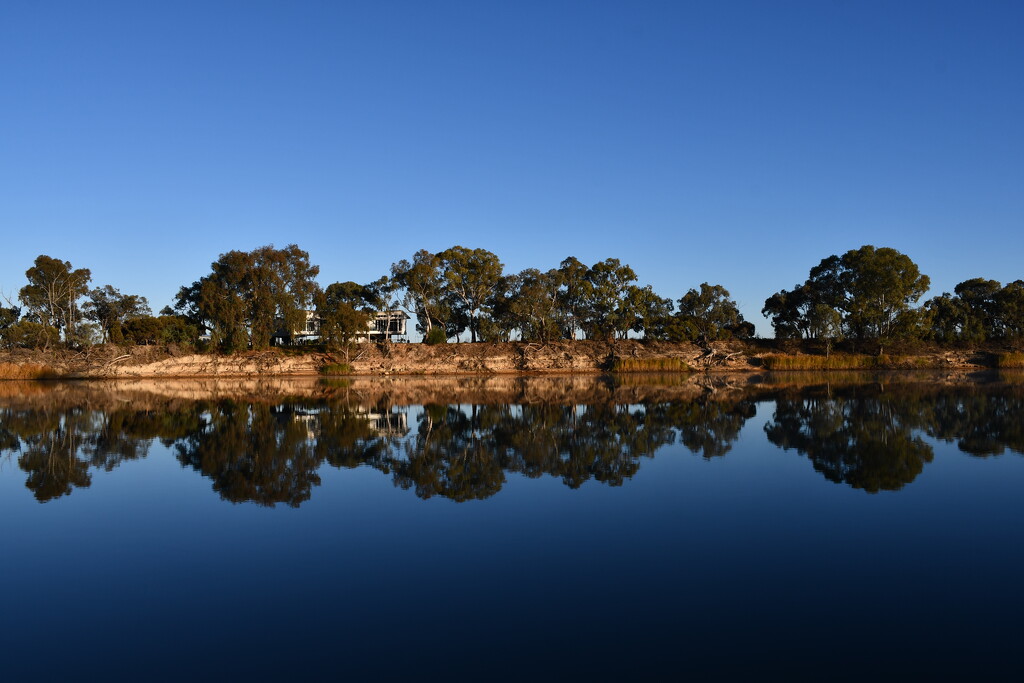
(393,424)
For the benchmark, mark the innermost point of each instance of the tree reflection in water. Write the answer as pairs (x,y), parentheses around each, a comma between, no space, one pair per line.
(873,440)
(270,453)
(57,448)
(859,442)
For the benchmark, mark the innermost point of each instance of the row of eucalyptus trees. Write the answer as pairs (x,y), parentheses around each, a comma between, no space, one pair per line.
(58,306)
(467,289)
(872,293)
(248,296)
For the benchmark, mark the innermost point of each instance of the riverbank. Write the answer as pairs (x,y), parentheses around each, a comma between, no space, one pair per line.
(510,358)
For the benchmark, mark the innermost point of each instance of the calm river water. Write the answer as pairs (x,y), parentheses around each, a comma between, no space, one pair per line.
(526,529)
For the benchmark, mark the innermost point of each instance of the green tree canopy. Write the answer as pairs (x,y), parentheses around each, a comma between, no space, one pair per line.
(872,289)
(530,303)
(248,296)
(710,314)
(345,310)
(603,298)
(52,294)
(471,279)
(110,309)
(422,282)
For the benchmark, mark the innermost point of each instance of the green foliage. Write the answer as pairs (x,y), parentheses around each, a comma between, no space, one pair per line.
(604,299)
(649,365)
(336,369)
(530,302)
(645,312)
(979,310)
(708,314)
(436,335)
(52,293)
(1010,312)
(110,309)
(27,334)
(460,288)
(572,277)
(8,316)
(345,310)
(871,289)
(248,296)
(165,329)
(423,284)
(471,279)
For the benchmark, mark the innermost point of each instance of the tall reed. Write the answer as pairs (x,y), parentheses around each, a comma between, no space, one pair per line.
(842,361)
(649,365)
(27,371)
(1012,359)
(336,369)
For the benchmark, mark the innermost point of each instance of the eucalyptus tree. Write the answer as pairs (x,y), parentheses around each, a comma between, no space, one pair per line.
(603,299)
(644,312)
(788,311)
(471,278)
(977,311)
(872,289)
(52,294)
(1010,311)
(345,310)
(110,309)
(248,296)
(9,316)
(423,284)
(530,303)
(709,314)
(572,276)
(949,320)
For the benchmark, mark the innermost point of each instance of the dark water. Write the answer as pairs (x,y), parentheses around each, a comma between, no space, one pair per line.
(571,530)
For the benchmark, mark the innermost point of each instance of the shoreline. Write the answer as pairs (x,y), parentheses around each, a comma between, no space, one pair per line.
(511,359)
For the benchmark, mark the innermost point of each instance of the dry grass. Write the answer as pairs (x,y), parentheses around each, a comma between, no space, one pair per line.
(1010,360)
(27,371)
(336,369)
(842,361)
(649,365)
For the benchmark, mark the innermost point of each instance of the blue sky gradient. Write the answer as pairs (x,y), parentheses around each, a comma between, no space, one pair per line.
(737,143)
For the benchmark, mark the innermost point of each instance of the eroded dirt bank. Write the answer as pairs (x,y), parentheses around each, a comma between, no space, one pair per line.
(584,357)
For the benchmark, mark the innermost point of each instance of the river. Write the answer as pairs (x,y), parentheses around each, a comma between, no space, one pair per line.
(513,528)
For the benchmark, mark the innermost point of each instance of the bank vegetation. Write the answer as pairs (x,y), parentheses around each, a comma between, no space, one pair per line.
(857,311)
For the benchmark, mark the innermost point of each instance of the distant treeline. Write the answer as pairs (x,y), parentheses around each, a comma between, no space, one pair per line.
(248,297)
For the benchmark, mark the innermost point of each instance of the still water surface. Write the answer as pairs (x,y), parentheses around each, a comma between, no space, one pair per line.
(512,529)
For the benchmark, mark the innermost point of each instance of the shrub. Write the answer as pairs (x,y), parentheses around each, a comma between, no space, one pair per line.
(435,336)
(649,365)
(336,369)
(30,335)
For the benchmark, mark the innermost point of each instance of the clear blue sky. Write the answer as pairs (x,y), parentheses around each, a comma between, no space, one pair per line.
(732,142)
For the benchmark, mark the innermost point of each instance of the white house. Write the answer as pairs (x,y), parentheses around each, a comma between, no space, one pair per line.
(383,326)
